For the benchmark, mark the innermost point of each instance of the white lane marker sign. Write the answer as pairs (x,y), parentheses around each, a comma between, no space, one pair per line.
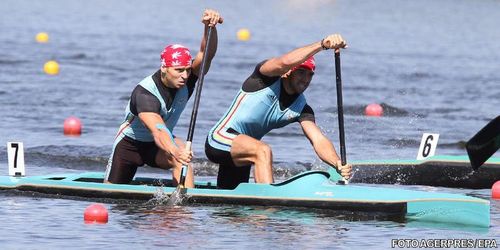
(428,146)
(15,155)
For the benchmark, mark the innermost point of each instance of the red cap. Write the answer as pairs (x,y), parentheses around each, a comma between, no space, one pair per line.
(309,64)
(175,55)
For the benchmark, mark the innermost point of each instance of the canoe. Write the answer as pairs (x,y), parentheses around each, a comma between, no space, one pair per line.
(312,189)
(443,171)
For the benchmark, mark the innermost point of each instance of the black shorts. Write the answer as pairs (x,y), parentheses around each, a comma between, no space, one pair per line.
(129,154)
(230,175)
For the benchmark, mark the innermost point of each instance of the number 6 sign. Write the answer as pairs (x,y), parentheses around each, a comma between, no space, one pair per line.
(427,146)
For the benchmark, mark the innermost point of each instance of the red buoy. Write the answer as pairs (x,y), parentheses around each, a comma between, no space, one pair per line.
(495,190)
(95,213)
(374,109)
(72,126)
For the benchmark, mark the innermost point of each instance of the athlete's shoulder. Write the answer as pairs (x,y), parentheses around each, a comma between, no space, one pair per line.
(257,81)
(150,80)
(307,114)
(307,109)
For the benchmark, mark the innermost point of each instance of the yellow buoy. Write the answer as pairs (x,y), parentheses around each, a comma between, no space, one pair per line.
(42,37)
(51,67)
(243,34)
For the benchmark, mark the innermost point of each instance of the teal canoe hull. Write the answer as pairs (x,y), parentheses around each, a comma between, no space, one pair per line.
(313,189)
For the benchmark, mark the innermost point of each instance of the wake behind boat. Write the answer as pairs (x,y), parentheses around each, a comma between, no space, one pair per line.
(313,189)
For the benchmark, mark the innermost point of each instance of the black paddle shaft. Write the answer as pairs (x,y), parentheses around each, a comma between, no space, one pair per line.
(197,97)
(199,86)
(340,108)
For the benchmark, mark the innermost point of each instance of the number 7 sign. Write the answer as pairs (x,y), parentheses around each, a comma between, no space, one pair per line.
(15,154)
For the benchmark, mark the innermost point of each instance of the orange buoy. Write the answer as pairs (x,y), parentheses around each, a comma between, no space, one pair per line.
(495,190)
(374,109)
(95,213)
(72,126)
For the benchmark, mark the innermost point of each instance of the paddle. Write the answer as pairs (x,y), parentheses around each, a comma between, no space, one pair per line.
(484,144)
(177,195)
(340,109)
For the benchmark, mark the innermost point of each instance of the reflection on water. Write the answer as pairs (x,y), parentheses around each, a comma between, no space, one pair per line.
(157,224)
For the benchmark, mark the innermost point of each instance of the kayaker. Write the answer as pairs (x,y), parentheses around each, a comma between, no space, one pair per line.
(271,97)
(146,135)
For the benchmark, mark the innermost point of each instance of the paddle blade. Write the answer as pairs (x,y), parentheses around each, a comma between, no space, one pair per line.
(484,144)
(182,179)
(177,197)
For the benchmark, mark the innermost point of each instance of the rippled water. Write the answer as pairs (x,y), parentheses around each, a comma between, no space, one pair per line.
(434,65)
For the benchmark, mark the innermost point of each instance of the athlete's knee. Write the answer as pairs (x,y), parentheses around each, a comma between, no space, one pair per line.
(171,162)
(176,165)
(264,152)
